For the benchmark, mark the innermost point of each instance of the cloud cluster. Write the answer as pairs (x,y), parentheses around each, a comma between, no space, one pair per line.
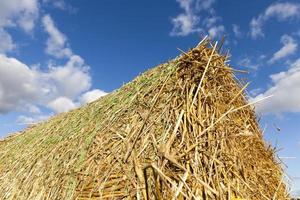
(28,88)
(16,14)
(6,44)
(63,79)
(281,11)
(289,47)
(19,13)
(56,43)
(189,20)
(18,84)
(285,90)
(22,85)
(285,85)
(186,22)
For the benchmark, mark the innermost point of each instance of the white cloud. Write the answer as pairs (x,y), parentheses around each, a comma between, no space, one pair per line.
(247,63)
(26,88)
(62,104)
(60,4)
(92,96)
(18,84)
(193,13)
(216,31)
(56,43)
(32,109)
(16,14)
(186,22)
(69,80)
(237,31)
(22,119)
(60,88)
(285,91)
(204,4)
(22,13)
(6,43)
(281,11)
(255,92)
(289,47)
(210,21)
(256,28)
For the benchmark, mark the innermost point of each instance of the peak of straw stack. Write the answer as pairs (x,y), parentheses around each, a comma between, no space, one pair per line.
(182,130)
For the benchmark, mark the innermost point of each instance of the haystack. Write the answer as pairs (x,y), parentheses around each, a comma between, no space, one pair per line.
(182,130)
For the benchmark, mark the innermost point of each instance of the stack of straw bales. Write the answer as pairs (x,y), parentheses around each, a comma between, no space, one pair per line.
(182,130)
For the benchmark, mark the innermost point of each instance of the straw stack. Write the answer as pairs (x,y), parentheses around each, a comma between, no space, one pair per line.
(182,130)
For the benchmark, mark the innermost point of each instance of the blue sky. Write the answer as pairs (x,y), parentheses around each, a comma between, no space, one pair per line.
(57,55)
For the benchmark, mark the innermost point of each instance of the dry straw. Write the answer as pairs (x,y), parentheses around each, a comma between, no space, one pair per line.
(182,130)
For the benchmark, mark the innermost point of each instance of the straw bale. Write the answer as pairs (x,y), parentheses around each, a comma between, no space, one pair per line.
(182,130)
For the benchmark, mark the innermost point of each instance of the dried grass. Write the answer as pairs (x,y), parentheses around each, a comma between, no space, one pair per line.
(182,130)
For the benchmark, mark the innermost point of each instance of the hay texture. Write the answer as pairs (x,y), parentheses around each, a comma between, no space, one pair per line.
(182,130)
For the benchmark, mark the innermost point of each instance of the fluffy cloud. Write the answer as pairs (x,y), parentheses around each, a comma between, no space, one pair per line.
(188,21)
(59,87)
(62,104)
(16,13)
(184,24)
(69,80)
(21,13)
(6,43)
(18,84)
(92,96)
(75,71)
(281,11)
(56,43)
(285,91)
(289,47)
(21,85)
